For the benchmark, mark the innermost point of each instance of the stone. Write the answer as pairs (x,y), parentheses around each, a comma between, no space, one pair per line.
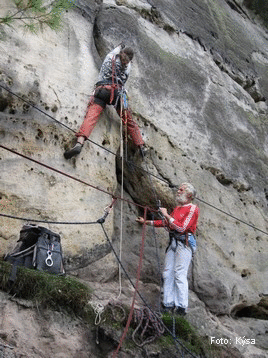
(198,90)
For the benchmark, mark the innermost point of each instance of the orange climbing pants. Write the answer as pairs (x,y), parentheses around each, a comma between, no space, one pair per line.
(101,98)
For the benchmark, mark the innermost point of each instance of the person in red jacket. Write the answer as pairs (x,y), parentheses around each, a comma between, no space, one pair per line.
(182,225)
(109,90)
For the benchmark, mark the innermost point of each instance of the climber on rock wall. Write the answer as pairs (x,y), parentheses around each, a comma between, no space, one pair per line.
(113,75)
(182,245)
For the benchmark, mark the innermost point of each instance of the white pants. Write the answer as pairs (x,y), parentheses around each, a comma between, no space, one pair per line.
(175,276)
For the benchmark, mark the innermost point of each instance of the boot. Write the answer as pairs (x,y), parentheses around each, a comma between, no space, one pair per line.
(73,151)
(180,311)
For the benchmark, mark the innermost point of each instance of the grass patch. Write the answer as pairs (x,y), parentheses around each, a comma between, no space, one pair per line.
(51,291)
(185,332)
(68,294)
(201,346)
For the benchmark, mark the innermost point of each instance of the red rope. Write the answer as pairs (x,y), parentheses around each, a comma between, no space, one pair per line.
(136,287)
(72,177)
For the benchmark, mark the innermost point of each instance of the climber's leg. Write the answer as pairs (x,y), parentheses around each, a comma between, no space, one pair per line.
(132,128)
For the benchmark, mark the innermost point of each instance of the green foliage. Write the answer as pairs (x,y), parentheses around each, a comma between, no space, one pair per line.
(184,331)
(260,7)
(45,289)
(190,339)
(34,15)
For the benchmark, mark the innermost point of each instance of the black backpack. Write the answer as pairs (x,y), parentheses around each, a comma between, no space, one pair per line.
(37,248)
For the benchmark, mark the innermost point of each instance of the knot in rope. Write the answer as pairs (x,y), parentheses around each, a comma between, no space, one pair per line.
(150,325)
(98,310)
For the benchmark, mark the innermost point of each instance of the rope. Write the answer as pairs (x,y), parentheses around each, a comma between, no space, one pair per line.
(48,221)
(98,310)
(136,288)
(158,264)
(176,340)
(53,118)
(133,164)
(138,274)
(149,324)
(232,216)
(122,195)
(72,177)
(173,325)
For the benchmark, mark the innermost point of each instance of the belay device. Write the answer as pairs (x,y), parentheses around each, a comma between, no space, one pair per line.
(37,248)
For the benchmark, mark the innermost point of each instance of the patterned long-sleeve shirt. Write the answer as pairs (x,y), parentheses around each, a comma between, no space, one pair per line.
(184,219)
(106,72)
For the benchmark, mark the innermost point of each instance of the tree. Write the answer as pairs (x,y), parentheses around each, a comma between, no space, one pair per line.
(34,14)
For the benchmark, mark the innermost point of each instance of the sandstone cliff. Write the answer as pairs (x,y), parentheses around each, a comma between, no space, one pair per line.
(198,87)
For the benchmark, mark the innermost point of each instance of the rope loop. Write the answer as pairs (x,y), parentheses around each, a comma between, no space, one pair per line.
(149,324)
(98,309)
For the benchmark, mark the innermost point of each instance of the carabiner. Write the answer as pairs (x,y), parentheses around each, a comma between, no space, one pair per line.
(49,261)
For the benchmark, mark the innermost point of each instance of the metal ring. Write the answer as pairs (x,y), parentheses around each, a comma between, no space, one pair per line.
(49,261)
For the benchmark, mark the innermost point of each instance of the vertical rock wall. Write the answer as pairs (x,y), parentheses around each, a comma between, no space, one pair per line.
(198,86)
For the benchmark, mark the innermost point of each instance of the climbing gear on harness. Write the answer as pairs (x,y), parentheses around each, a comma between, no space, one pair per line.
(73,151)
(179,237)
(188,239)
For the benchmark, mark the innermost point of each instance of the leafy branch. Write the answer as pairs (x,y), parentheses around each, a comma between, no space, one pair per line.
(34,14)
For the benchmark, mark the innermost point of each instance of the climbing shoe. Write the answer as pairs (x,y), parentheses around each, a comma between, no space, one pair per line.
(165,309)
(73,151)
(180,311)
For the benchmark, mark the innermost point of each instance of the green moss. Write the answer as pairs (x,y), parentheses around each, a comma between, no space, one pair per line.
(46,289)
(185,332)
(68,294)
(190,338)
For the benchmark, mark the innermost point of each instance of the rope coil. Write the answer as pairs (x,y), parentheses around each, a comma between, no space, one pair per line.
(150,325)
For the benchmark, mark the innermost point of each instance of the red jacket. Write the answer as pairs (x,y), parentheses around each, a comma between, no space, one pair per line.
(185,219)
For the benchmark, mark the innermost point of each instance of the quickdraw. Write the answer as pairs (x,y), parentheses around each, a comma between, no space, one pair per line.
(107,211)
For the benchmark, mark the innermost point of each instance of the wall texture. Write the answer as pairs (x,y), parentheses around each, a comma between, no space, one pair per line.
(198,90)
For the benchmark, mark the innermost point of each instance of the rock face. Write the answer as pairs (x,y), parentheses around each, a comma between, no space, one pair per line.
(198,86)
